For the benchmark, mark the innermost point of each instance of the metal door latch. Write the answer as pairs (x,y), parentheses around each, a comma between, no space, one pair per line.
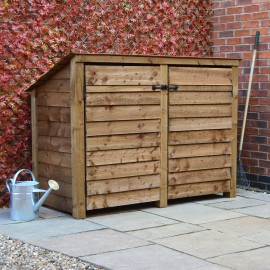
(164,87)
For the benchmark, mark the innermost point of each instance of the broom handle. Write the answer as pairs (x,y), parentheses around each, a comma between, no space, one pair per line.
(249,90)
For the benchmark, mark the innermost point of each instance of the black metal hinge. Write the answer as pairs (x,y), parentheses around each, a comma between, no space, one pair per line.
(164,87)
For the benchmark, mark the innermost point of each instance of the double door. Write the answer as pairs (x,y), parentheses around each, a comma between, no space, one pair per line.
(145,143)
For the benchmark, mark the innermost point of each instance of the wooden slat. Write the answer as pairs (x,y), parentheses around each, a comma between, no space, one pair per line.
(59,86)
(63,73)
(59,202)
(201,136)
(193,150)
(105,99)
(58,144)
(232,192)
(122,184)
(200,76)
(118,88)
(123,170)
(200,98)
(199,163)
(199,176)
(55,129)
(122,141)
(185,124)
(122,156)
(122,75)
(164,69)
(122,127)
(61,174)
(34,130)
(123,198)
(54,158)
(65,189)
(166,60)
(78,140)
(53,99)
(58,114)
(204,88)
(180,111)
(112,113)
(198,189)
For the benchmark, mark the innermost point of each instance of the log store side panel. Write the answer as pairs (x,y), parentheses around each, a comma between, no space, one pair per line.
(53,137)
(122,135)
(200,131)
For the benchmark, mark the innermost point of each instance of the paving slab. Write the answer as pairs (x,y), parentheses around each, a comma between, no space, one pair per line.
(212,199)
(262,237)
(166,231)
(240,226)
(235,203)
(45,212)
(152,257)
(258,211)
(207,244)
(46,228)
(255,195)
(193,213)
(89,243)
(133,220)
(258,259)
(5,217)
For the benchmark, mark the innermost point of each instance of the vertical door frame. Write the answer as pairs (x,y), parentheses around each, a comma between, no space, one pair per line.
(164,121)
(78,140)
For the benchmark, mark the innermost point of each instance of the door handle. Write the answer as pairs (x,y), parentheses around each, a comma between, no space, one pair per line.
(164,87)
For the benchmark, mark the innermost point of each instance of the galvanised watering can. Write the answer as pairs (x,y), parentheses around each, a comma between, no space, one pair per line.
(24,197)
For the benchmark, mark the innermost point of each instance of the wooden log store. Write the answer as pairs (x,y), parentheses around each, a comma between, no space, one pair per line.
(117,130)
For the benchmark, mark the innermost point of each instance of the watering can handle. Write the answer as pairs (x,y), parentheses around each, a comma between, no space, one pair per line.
(7,184)
(13,180)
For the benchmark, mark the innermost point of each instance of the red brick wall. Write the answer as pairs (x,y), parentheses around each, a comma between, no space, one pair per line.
(235,25)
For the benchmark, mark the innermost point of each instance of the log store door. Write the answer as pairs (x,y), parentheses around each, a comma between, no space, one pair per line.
(151,144)
(122,135)
(200,131)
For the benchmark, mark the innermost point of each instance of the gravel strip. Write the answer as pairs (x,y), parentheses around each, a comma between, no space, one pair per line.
(15,254)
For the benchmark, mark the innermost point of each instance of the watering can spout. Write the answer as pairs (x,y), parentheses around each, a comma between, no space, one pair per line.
(53,186)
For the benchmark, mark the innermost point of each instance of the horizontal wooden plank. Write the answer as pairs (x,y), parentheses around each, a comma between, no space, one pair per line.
(200,76)
(122,75)
(58,114)
(63,73)
(122,170)
(193,150)
(122,156)
(54,129)
(55,158)
(122,184)
(122,127)
(65,189)
(112,113)
(118,88)
(204,88)
(166,60)
(201,136)
(105,99)
(122,141)
(198,189)
(59,202)
(122,198)
(200,98)
(179,111)
(56,85)
(58,144)
(181,178)
(53,99)
(61,174)
(185,124)
(199,163)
